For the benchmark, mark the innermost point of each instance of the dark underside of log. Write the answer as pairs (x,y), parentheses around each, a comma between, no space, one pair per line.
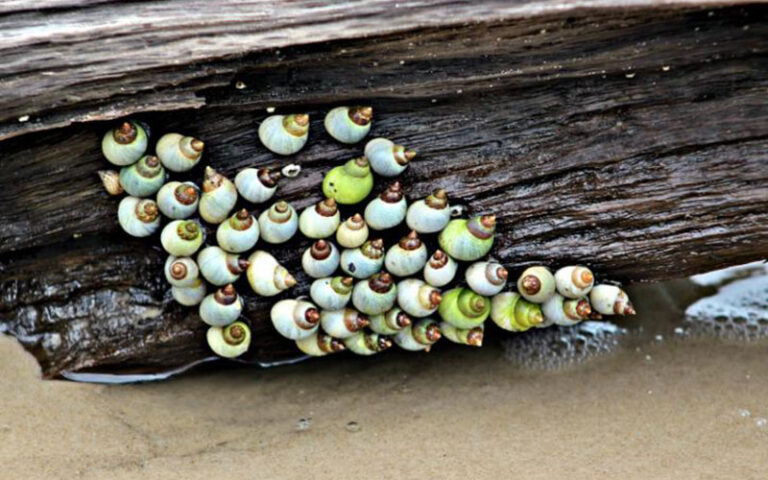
(632,140)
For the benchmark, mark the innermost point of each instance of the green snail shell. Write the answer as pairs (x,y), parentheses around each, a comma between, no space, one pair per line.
(178,152)
(574,281)
(417,298)
(221,308)
(387,159)
(178,200)
(353,232)
(143,178)
(321,259)
(391,322)
(349,124)
(419,336)
(230,341)
(463,308)
(220,267)
(440,269)
(257,185)
(512,312)
(468,240)
(239,233)
(181,271)
(138,217)
(486,278)
(284,134)
(279,223)
(349,183)
(611,300)
(536,284)
(342,323)
(266,276)
(320,220)
(464,336)
(565,311)
(376,295)
(125,144)
(331,293)
(364,261)
(182,238)
(365,343)
(319,344)
(295,319)
(190,296)
(219,197)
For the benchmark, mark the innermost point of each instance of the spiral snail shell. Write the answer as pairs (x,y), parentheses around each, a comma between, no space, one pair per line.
(417,298)
(486,278)
(367,343)
(463,308)
(219,196)
(364,261)
(230,341)
(391,322)
(125,144)
(239,233)
(565,311)
(342,323)
(319,344)
(610,300)
(349,124)
(468,240)
(429,215)
(111,181)
(143,178)
(257,185)
(266,276)
(191,295)
(388,209)
(406,257)
(512,312)
(220,267)
(353,232)
(178,200)
(320,220)
(321,259)
(138,217)
(349,183)
(284,134)
(295,319)
(179,153)
(182,238)
(536,284)
(464,336)
(221,308)
(331,293)
(387,159)
(376,295)
(279,223)
(419,336)
(574,281)
(440,269)
(181,271)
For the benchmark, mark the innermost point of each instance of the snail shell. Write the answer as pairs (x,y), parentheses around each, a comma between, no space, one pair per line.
(464,336)
(178,200)
(181,271)
(391,322)
(463,308)
(320,220)
(431,214)
(349,183)
(574,281)
(387,159)
(125,144)
(220,267)
(342,323)
(388,209)
(111,181)
(221,308)
(353,232)
(406,257)
(219,197)
(486,278)
(182,238)
(440,269)
(179,153)
(512,312)
(565,311)
(349,124)
(279,223)
(376,295)
(320,260)
(189,296)
(419,336)
(610,300)
(284,134)
(365,343)
(364,261)
(144,178)
(331,293)
(319,344)
(257,185)
(536,284)
(138,217)
(239,233)
(266,276)
(230,341)
(468,240)
(417,298)
(295,319)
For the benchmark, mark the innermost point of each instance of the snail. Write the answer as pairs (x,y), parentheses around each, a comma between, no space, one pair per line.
(182,238)
(331,293)
(468,240)
(179,153)
(431,214)
(349,183)
(486,278)
(125,144)
(391,322)
(463,308)
(387,159)
(342,323)
(266,276)
(574,281)
(364,261)
(143,178)
(111,181)
(417,298)
(221,308)
(284,134)
(419,336)
(536,284)
(406,257)
(191,295)
(610,300)
(220,267)
(440,269)
(257,186)
(178,200)
(320,220)
(349,124)
(239,233)
(365,343)
(181,271)
(565,311)
(279,223)
(512,312)
(138,217)
(388,209)
(319,344)
(376,295)
(295,319)
(353,232)
(320,260)
(464,336)
(230,341)
(219,196)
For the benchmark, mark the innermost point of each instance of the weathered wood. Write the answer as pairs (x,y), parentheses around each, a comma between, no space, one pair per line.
(634,141)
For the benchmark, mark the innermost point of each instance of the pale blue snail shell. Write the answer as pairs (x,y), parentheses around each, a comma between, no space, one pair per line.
(574,281)
(349,124)
(429,215)
(331,293)
(284,134)
(367,343)
(440,269)
(239,233)
(178,200)
(220,267)
(125,144)
(179,153)
(375,295)
(486,278)
(417,298)
(138,217)
(181,271)
(565,311)
(353,232)
(321,259)
(388,159)
(610,300)
(390,322)
(364,261)
(219,197)
(221,308)
(230,341)
(257,185)
(536,284)
(191,295)
(407,256)
(144,178)
(388,209)
(295,319)
(266,276)
(421,335)
(279,223)
(342,323)
(182,238)
(320,220)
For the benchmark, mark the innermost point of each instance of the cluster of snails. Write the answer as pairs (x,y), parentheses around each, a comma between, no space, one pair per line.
(363,308)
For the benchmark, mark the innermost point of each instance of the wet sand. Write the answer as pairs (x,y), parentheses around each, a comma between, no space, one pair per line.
(669,407)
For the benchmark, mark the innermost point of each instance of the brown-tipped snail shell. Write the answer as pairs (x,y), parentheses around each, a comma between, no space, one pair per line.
(257,185)
(512,312)
(610,300)
(220,267)
(138,217)
(388,159)
(468,240)
(536,284)
(440,269)
(219,197)
(295,319)
(464,336)
(574,281)
(321,259)
(420,336)
(353,232)
(388,209)
(191,295)
(319,344)
(125,144)
(284,134)
(364,261)
(331,293)
(342,323)
(182,238)
(376,295)
(178,200)
(417,298)
(239,233)
(349,124)
(320,220)
(431,214)
(407,256)
(391,322)
(565,311)
(221,308)
(367,343)
(230,341)
(486,278)
(181,271)
(144,178)
(179,153)
(266,276)
(279,223)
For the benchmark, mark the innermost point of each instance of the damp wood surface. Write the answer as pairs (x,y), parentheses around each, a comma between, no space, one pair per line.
(633,140)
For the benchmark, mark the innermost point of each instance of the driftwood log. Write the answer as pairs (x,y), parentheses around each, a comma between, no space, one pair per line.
(631,139)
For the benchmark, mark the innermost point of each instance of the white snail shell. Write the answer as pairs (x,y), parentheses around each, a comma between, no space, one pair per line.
(178,200)
(429,215)
(563,311)
(421,335)
(331,293)
(257,185)
(574,281)
(386,158)
(349,124)
(125,144)
(239,233)
(391,322)
(319,344)
(221,308)
(179,153)
(138,217)
(279,223)
(284,134)
(464,336)
(486,278)
(144,178)
(266,276)
(230,341)
(220,267)
(375,295)
(364,261)
(295,319)
(610,300)
(321,259)
(406,257)
(536,284)
(320,220)
(353,232)
(440,269)
(181,271)
(365,343)
(182,238)
(342,323)
(190,296)
(417,298)
(219,197)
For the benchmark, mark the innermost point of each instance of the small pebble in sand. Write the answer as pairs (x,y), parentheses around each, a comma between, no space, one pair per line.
(352,426)
(303,424)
